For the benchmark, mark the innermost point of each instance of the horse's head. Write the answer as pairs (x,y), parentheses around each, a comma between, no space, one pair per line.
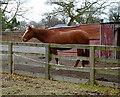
(28,34)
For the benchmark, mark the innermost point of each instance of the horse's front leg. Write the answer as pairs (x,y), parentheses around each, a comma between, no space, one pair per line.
(80,52)
(54,51)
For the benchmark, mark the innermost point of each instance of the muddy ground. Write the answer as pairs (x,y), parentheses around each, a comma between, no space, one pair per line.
(22,85)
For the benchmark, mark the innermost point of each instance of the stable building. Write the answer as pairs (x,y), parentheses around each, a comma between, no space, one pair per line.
(100,34)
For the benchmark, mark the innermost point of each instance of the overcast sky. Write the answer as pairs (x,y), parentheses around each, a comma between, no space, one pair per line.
(38,8)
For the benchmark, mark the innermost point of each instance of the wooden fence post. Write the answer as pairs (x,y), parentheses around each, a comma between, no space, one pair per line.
(47,60)
(10,58)
(92,65)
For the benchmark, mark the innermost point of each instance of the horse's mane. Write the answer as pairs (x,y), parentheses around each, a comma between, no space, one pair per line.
(43,30)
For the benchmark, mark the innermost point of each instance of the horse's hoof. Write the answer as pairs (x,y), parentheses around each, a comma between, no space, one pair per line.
(57,69)
(75,65)
(82,67)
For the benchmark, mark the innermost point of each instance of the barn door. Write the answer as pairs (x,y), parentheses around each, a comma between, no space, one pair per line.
(107,38)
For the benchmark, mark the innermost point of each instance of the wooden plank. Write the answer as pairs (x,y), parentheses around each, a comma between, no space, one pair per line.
(109,72)
(70,79)
(70,68)
(5,70)
(76,46)
(29,44)
(4,61)
(47,60)
(29,64)
(108,48)
(31,74)
(30,54)
(70,57)
(92,65)
(13,31)
(108,84)
(108,60)
(113,48)
(4,43)
(10,58)
(11,34)
(3,52)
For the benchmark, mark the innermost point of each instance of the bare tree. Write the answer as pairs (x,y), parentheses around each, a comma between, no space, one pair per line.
(50,20)
(81,11)
(12,9)
(114,14)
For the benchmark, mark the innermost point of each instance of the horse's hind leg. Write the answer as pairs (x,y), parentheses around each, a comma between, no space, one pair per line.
(85,54)
(54,51)
(79,53)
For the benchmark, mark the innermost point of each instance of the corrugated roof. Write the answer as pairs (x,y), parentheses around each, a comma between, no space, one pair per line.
(62,25)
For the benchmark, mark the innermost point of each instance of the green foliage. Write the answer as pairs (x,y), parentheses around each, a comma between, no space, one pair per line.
(9,25)
(11,9)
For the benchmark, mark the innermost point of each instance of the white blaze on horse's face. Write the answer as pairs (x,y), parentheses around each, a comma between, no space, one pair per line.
(27,35)
(23,37)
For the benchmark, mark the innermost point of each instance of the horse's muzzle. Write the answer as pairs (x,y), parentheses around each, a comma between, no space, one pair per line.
(24,40)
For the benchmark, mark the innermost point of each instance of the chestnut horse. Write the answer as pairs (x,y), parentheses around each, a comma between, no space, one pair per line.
(60,37)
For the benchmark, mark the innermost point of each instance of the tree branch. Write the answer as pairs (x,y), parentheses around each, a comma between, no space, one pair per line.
(18,5)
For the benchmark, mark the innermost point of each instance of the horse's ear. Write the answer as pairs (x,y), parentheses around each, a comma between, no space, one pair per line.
(29,27)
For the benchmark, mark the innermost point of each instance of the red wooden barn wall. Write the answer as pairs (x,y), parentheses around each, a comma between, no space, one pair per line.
(100,34)
(107,38)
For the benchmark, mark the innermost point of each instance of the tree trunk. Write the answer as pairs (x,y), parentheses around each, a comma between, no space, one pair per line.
(71,22)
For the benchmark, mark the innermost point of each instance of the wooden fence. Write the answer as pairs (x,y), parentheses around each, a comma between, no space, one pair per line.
(92,69)
(12,33)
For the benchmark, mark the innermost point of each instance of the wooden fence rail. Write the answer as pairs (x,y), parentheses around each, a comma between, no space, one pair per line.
(12,33)
(92,69)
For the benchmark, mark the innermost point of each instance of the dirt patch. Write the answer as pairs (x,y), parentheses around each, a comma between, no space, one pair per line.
(22,85)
